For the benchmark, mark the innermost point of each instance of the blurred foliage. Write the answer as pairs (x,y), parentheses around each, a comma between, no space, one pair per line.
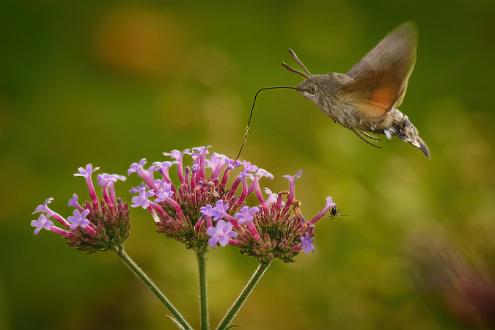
(109,82)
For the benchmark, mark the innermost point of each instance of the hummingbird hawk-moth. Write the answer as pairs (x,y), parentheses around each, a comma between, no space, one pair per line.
(366,98)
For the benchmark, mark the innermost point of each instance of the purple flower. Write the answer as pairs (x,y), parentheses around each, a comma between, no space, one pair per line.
(43,208)
(220,234)
(207,210)
(78,219)
(217,162)
(137,167)
(135,190)
(201,150)
(87,171)
(164,192)
(74,201)
(260,173)
(246,214)
(292,188)
(293,178)
(142,199)
(217,212)
(175,154)
(307,244)
(161,167)
(248,167)
(232,164)
(272,197)
(146,175)
(42,223)
(105,179)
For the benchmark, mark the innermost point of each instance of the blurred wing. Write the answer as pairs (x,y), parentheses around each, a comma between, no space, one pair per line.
(381,77)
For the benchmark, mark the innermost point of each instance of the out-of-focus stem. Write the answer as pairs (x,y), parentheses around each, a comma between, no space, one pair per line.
(136,270)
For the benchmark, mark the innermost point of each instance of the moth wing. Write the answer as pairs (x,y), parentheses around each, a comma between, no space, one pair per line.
(381,77)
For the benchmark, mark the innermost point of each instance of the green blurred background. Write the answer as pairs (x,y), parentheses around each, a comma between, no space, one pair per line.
(109,82)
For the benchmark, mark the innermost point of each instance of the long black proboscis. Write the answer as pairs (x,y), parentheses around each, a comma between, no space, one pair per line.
(244,139)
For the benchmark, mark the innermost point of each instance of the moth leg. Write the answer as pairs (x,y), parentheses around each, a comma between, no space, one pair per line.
(366,141)
(370,136)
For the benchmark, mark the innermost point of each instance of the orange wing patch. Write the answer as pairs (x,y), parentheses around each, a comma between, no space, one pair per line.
(370,98)
(383,97)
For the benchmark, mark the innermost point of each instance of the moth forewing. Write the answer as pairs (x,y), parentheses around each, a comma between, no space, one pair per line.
(381,76)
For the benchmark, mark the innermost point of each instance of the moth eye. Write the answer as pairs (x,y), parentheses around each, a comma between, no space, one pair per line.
(311,89)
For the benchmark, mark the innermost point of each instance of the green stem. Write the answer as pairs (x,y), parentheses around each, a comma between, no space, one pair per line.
(152,286)
(248,289)
(203,291)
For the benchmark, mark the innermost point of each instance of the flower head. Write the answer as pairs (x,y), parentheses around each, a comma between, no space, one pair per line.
(278,229)
(201,197)
(95,225)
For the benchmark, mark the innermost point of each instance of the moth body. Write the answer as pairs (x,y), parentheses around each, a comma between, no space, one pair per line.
(366,99)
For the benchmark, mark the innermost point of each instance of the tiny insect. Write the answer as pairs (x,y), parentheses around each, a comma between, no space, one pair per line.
(365,99)
(334,211)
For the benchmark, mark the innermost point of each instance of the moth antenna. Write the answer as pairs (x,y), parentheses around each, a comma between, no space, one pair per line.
(244,139)
(285,65)
(298,61)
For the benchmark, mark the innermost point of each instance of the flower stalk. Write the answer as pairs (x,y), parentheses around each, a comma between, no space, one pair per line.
(136,270)
(203,291)
(245,293)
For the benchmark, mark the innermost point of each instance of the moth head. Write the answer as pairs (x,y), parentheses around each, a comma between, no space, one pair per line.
(308,88)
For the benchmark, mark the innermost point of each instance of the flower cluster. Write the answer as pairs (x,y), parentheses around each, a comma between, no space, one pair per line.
(208,205)
(95,225)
